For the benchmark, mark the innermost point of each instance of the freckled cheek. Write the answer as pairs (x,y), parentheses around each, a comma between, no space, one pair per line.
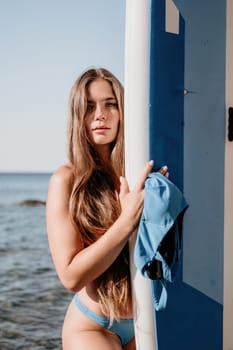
(118,122)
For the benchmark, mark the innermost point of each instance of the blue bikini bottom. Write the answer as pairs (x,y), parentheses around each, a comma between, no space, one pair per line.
(123,328)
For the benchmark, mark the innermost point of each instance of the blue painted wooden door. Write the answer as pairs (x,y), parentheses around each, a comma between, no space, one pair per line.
(192,320)
(166,93)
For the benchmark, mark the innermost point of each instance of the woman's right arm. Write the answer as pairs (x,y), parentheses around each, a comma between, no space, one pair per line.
(77,266)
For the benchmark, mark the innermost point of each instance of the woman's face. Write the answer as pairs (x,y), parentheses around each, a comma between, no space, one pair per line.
(102,115)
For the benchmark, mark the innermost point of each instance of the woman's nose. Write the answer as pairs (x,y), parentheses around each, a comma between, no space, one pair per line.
(100,113)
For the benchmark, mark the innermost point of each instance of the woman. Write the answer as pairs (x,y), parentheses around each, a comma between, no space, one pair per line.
(91,214)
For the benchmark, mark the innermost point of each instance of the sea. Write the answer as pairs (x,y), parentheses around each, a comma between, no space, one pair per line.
(32,300)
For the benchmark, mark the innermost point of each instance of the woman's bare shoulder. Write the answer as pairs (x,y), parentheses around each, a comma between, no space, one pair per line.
(62,177)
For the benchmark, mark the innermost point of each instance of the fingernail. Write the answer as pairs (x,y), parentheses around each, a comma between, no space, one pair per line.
(165,167)
(151,162)
(121,178)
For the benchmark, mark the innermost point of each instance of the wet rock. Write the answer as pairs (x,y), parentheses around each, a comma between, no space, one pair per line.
(31,202)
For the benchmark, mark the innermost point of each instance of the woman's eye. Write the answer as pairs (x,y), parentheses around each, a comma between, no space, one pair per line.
(90,108)
(112,105)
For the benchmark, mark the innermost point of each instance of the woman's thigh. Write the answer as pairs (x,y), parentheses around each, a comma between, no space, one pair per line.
(91,340)
(131,345)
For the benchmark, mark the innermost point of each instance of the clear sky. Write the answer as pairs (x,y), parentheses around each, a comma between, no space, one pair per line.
(44,46)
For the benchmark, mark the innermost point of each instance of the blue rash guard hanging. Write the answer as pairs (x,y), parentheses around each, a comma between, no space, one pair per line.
(158,247)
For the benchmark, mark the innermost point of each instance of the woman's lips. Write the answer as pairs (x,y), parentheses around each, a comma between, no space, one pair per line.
(100,128)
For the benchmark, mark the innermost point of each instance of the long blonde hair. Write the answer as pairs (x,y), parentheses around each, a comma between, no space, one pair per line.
(94,204)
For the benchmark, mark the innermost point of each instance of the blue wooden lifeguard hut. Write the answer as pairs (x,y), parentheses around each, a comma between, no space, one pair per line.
(179,99)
